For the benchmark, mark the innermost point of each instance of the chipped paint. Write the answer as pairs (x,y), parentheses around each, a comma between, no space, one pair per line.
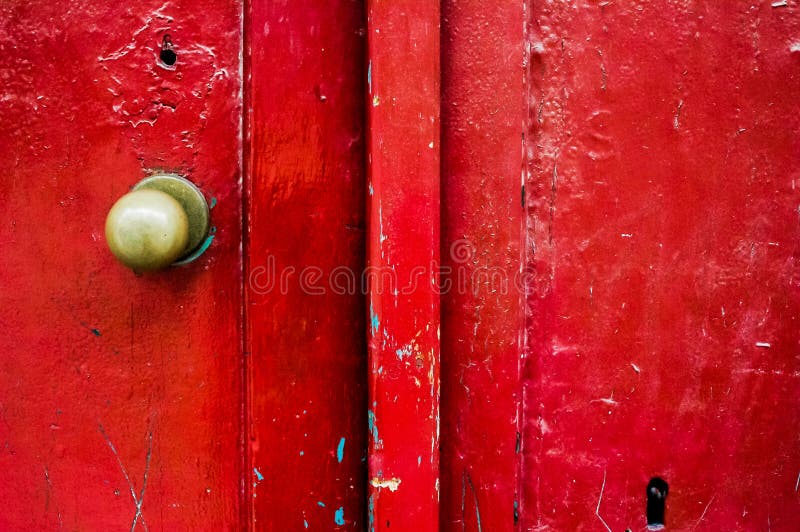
(392,484)
(340,450)
(375,322)
(403,240)
(373,429)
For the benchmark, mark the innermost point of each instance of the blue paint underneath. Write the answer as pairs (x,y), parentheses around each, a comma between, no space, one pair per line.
(339,516)
(199,251)
(340,451)
(258,474)
(321,504)
(371,514)
(404,351)
(373,429)
(374,321)
(305,523)
(96,332)
(369,76)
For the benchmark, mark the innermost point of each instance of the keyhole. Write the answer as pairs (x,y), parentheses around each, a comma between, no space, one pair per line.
(168,57)
(657,490)
(167,54)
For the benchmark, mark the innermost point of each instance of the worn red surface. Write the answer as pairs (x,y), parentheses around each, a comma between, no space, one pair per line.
(118,394)
(306,341)
(662,333)
(656,222)
(403,253)
(483,111)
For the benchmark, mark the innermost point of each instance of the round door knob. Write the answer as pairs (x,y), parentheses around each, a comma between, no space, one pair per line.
(163,219)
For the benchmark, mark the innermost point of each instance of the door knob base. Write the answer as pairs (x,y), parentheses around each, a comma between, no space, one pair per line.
(190,198)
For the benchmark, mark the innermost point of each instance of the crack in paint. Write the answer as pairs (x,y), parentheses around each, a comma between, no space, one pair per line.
(599,500)
(474,498)
(137,501)
(702,516)
(47,500)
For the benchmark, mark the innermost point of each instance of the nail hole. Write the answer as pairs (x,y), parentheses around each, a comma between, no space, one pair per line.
(657,490)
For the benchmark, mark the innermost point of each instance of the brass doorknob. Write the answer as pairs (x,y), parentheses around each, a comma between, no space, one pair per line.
(164,218)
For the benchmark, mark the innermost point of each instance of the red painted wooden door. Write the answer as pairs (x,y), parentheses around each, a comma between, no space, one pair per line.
(474,267)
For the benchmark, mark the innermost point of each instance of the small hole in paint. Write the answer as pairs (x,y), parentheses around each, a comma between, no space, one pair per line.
(657,490)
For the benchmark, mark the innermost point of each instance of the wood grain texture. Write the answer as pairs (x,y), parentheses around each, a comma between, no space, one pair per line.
(306,337)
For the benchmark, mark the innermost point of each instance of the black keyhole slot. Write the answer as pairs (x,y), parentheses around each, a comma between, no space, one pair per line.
(657,490)
(167,55)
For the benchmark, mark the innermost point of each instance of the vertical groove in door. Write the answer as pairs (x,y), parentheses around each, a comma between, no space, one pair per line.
(246,507)
(483,203)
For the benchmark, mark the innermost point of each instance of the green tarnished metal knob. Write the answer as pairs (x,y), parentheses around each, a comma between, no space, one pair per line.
(164,218)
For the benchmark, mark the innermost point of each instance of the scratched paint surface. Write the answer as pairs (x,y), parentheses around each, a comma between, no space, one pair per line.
(403,161)
(662,197)
(119,395)
(307,336)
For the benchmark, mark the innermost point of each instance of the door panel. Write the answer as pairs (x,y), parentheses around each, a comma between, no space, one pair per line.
(662,329)
(119,396)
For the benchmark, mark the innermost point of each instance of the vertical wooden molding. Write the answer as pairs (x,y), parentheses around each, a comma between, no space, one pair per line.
(403,82)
